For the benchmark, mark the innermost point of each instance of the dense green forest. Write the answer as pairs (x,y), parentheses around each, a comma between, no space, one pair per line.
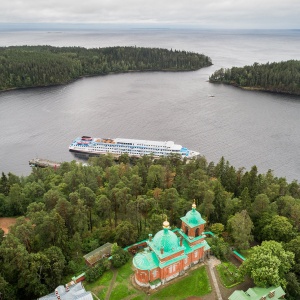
(281,77)
(31,66)
(67,212)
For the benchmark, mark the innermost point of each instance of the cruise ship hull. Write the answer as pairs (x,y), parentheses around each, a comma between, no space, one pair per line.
(132,147)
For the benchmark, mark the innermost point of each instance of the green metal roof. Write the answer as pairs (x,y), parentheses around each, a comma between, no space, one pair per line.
(173,260)
(193,218)
(167,240)
(206,246)
(148,260)
(189,249)
(135,244)
(257,293)
(165,254)
(186,237)
(239,255)
(145,260)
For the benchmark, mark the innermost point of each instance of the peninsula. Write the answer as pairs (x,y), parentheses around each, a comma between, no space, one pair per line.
(278,77)
(36,66)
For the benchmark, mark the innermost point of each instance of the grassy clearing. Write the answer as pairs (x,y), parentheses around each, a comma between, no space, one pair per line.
(123,287)
(124,272)
(228,273)
(100,287)
(121,291)
(141,297)
(195,284)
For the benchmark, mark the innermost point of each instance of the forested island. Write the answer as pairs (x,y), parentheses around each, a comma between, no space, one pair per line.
(67,212)
(33,66)
(278,77)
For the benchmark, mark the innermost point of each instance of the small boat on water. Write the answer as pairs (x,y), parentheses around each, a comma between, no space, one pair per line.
(133,147)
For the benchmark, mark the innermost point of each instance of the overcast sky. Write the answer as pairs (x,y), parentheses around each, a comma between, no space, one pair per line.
(266,14)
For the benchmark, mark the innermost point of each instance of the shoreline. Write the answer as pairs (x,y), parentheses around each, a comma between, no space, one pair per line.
(96,75)
(259,89)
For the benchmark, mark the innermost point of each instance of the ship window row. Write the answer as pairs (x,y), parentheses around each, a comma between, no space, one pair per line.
(133,147)
(130,145)
(121,143)
(139,150)
(147,145)
(130,149)
(134,151)
(144,145)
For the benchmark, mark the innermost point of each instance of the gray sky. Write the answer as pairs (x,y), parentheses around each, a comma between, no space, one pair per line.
(273,14)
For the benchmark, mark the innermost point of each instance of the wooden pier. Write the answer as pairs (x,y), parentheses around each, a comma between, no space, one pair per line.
(43,163)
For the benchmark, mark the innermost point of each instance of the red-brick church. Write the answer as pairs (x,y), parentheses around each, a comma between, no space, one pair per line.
(169,254)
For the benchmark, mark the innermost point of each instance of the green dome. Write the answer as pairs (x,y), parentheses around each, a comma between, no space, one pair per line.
(141,261)
(193,217)
(167,240)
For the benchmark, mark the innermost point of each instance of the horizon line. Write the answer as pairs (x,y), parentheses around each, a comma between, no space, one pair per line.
(158,26)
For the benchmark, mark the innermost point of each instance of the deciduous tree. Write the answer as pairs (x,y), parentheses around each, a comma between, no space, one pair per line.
(240,227)
(279,229)
(268,264)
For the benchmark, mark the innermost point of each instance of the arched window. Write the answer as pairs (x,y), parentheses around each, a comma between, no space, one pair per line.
(197,232)
(186,230)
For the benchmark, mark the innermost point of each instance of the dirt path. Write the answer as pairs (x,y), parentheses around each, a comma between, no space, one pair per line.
(219,292)
(212,262)
(5,223)
(224,292)
(112,283)
(94,295)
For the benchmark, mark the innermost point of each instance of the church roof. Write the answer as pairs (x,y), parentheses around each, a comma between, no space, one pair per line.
(193,217)
(167,240)
(189,248)
(145,260)
(258,293)
(191,239)
(164,249)
(148,260)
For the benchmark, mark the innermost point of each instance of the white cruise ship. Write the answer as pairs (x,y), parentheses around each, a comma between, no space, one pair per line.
(134,148)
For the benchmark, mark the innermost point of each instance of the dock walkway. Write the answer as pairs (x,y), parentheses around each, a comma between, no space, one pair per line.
(43,163)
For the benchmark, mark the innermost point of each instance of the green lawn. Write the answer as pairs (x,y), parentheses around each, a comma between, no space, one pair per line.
(141,297)
(124,272)
(195,284)
(121,291)
(100,286)
(228,274)
(123,286)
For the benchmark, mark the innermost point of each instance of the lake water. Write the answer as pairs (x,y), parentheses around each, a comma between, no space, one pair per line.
(247,128)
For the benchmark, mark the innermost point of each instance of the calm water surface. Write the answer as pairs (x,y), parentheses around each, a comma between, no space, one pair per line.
(247,128)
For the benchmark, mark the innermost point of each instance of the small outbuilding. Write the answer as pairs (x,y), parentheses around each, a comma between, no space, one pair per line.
(258,293)
(93,257)
(76,291)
